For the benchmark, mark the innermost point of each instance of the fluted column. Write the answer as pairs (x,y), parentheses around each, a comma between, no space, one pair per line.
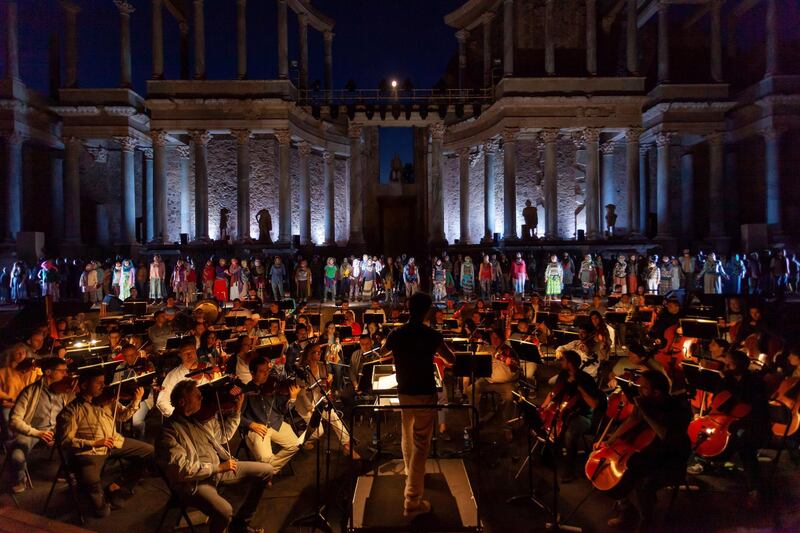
(159,227)
(772,60)
(508,37)
(510,184)
(183,29)
(356,190)
(201,139)
(72,190)
(662,185)
(549,44)
(327,39)
(591,138)
(716,190)
(772,161)
(302,31)
(71,10)
(490,149)
(304,200)
(329,194)
(13,184)
(241,39)
(243,184)
(486,20)
(199,41)
(632,38)
(716,41)
(687,194)
(462,36)
(463,194)
(550,139)
(147,195)
(591,37)
(127,190)
(283,41)
(284,139)
(632,181)
(158,40)
(663,42)
(12,41)
(644,207)
(436,229)
(184,154)
(125,10)
(609,188)
(57,197)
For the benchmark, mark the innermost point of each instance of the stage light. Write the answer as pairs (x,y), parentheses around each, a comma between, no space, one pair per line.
(394,84)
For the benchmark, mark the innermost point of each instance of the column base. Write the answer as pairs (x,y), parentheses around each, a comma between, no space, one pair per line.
(635,235)
(329,243)
(720,243)
(356,240)
(487,239)
(510,238)
(594,236)
(437,242)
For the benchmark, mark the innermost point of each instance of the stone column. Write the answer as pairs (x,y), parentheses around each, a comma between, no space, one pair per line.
(632,181)
(549,45)
(183,28)
(662,180)
(356,190)
(663,42)
(329,192)
(304,200)
(72,190)
(510,184)
(57,197)
(201,139)
(71,10)
(327,39)
(241,39)
(487,48)
(184,154)
(158,40)
(13,185)
(302,31)
(632,39)
(490,149)
(644,208)
(687,194)
(550,139)
(609,195)
(159,228)
(243,185)
(284,139)
(462,36)
(591,137)
(283,41)
(436,236)
(772,170)
(199,42)
(127,190)
(773,43)
(716,41)
(125,10)
(147,195)
(12,41)
(463,194)
(508,37)
(591,37)
(716,186)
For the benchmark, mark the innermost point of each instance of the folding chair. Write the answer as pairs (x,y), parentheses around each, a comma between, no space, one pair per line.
(66,471)
(173,502)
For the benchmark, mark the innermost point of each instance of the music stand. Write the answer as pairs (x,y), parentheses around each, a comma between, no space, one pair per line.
(377,318)
(643,316)
(702,379)
(134,308)
(499,305)
(235,321)
(338,318)
(344,331)
(269,351)
(527,351)
(616,317)
(173,343)
(699,328)
(653,300)
(451,323)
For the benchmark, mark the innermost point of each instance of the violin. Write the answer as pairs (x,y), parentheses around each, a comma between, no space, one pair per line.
(275,386)
(204,369)
(710,434)
(26,365)
(125,389)
(787,399)
(68,384)
(219,397)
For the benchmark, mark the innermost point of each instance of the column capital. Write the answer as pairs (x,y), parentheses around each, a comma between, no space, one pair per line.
(283,137)
(127,144)
(607,148)
(327,156)
(70,7)
(510,135)
(148,153)
(664,138)
(491,146)
(590,135)
(354,131)
(183,151)
(772,133)
(159,137)
(99,153)
(302,18)
(644,148)
(124,7)
(328,36)
(15,137)
(716,138)
(487,18)
(242,136)
(550,135)
(462,35)
(463,153)
(71,139)
(438,130)
(633,134)
(201,137)
(303,148)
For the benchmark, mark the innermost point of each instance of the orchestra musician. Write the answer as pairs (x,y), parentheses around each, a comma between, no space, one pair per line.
(591,351)
(87,432)
(33,417)
(237,309)
(251,327)
(239,364)
(115,344)
(294,350)
(210,350)
(638,358)
(667,318)
(195,461)
(128,369)
(262,418)
(15,377)
(357,362)
(188,355)
(505,372)
(159,332)
(660,463)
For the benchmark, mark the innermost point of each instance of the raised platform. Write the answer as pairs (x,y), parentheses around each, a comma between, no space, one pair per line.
(14,520)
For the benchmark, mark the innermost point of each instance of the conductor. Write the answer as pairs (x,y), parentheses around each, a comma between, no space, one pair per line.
(413,346)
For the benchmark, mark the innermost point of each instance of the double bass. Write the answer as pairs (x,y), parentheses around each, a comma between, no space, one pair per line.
(710,434)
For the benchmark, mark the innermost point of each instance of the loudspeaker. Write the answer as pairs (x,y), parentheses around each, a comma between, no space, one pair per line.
(581,235)
(184,238)
(296,241)
(112,302)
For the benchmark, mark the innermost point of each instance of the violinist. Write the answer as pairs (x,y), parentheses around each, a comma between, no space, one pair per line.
(239,364)
(86,430)
(195,462)
(35,344)
(131,365)
(754,326)
(210,350)
(717,349)
(296,348)
(667,318)
(33,417)
(357,362)
(262,417)
(660,463)
(251,327)
(16,373)
(159,332)
(188,355)
(590,351)
(115,344)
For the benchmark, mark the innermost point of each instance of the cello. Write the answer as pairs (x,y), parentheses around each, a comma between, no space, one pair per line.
(607,465)
(787,399)
(711,433)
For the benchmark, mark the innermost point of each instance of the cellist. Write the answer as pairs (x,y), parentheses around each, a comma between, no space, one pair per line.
(660,463)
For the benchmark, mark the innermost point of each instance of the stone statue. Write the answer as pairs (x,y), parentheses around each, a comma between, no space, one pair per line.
(264,226)
(223,223)
(531,217)
(611,218)
(397,169)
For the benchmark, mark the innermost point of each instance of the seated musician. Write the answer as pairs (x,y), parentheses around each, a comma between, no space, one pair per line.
(536,306)
(717,349)
(579,390)
(303,319)
(375,308)
(526,334)
(197,332)
(350,320)
(563,306)
(130,366)
(276,331)
(505,372)
(357,367)
(170,308)
(296,348)
(252,296)
(35,345)
(33,417)
(638,359)
(589,349)
(195,461)
(753,326)
(262,419)
(251,327)
(159,332)
(624,303)
(115,343)
(210,350)
(662,462)
(274,311)
(438,320)
(239,363)
(15,376)
(188,355)
(603,331)
(86,430)
(667,318)
(310,394)
(597,305)
(237,309)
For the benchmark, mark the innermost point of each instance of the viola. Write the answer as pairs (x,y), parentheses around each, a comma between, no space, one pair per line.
(710,434)
(787,398)
(606,466)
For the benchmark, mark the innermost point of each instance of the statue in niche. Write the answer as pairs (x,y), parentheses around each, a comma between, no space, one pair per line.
(264,226)
(397,169)
(223,223)
(531,217)
(611,218)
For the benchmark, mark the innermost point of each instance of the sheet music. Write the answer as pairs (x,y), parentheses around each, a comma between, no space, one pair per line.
(387,382)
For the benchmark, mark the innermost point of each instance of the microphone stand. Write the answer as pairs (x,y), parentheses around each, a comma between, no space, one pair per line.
(550,441)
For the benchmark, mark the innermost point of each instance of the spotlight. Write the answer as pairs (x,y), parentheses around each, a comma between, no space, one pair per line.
(394,84)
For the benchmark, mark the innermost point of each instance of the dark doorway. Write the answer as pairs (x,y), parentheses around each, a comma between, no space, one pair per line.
(398,224)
